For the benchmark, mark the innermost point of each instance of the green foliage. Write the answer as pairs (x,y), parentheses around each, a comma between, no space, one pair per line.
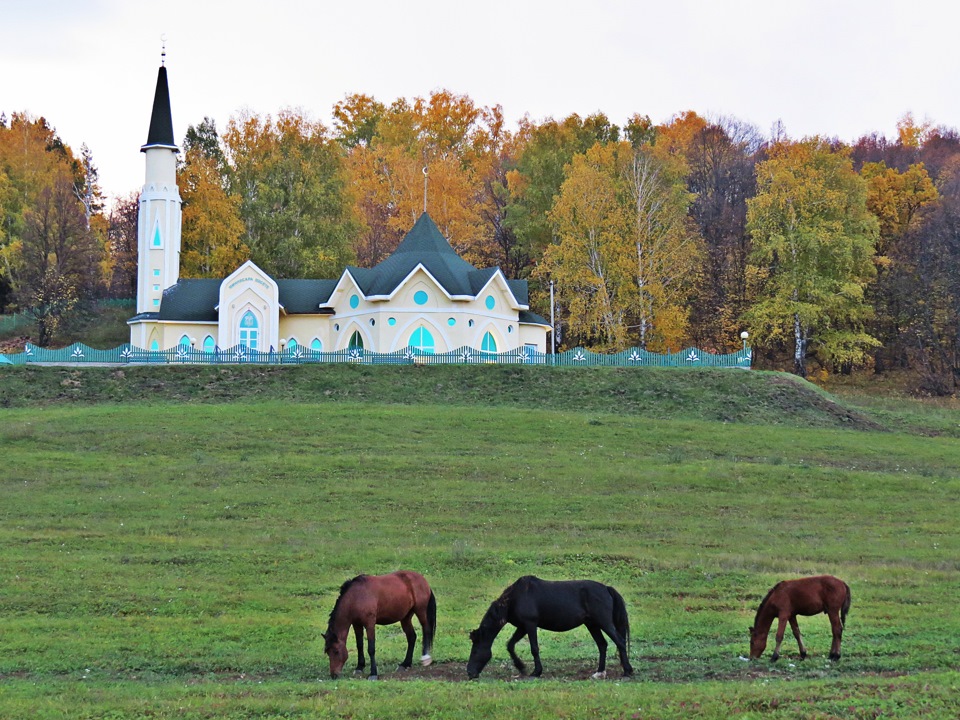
(813,246)
(294,197)
(539,173)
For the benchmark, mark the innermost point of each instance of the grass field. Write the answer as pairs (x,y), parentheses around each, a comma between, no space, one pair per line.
(172,539)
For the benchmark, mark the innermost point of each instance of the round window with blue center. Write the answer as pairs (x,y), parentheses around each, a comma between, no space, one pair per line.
(420,297)
(490,302)
(354,301)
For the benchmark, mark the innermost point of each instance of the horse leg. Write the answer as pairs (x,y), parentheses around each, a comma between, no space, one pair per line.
(601,642)
(425,658)
(411,634)
(361,660)
(796,634)
(837,626)
(611,630)
(781,627)
(511,648)
(372,649)
(535,651)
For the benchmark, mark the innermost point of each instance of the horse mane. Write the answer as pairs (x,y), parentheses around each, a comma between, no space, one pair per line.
(336,606)
(764,602)
(496,615)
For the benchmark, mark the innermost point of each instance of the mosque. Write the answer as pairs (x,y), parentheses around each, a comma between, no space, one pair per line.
(424,296)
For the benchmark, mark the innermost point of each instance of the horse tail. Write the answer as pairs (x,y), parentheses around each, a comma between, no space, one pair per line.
(621,620)
(431,628)
(845,608)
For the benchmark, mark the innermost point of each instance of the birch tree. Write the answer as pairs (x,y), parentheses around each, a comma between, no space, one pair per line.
(814,244)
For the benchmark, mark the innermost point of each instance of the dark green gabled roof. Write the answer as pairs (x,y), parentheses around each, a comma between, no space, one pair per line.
(425,245)
(196,300)
(528,318)
(304,297)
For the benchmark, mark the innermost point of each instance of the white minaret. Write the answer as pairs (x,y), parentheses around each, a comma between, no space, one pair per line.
(158,224)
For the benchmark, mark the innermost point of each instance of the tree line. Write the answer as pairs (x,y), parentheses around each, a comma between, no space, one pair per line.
(833,256)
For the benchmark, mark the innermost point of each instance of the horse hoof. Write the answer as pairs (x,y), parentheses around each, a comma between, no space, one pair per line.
(426,660)
(599,676)
(834,657)
(774,657)
(402,667)
(803,656)
(372,677)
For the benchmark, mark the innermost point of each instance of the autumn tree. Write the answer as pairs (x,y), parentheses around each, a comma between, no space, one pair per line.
(211,245)
(122,247)
(813,242)
(931,290)
(60,258)
(720,159)
(667,248)
(545,149)
(626,255)
(441,151)
(52,229)
(294,199)
(591,263)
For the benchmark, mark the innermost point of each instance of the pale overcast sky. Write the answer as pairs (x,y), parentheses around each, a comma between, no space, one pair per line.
(825,67)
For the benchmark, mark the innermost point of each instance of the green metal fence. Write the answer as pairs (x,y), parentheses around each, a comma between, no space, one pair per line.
(78,353)
(9,323)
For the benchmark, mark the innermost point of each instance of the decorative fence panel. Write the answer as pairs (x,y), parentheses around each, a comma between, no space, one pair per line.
(80,354)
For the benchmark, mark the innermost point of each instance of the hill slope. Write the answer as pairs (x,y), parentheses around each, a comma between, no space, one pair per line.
(718,395)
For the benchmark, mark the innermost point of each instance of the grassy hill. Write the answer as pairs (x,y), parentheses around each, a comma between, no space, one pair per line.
(717,395)
(173,538)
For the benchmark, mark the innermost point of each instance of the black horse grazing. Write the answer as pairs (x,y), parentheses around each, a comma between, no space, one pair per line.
(532,603)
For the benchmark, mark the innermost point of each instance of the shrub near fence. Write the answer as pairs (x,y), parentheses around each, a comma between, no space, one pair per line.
(78,353)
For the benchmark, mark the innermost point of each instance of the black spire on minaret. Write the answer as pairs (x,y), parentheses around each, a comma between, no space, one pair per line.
(161,122)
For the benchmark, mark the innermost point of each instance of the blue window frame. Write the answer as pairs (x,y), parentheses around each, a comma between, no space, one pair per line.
(489,344)
(249,330)
(316,345)
(208,344)
(356,341)
(422,340)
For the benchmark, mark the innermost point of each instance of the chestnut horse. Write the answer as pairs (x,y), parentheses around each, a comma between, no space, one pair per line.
(532,603)
(371,600)
(806,596)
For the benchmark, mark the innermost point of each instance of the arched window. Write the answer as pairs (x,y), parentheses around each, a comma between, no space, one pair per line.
(154,346)
(292,344)
(249,330)
(208,344)
(489,345)
(316,345)
(356,341)
(422,340)
(185,341)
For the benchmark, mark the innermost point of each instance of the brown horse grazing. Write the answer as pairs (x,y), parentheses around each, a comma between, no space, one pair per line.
(371,600)
(806,596)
